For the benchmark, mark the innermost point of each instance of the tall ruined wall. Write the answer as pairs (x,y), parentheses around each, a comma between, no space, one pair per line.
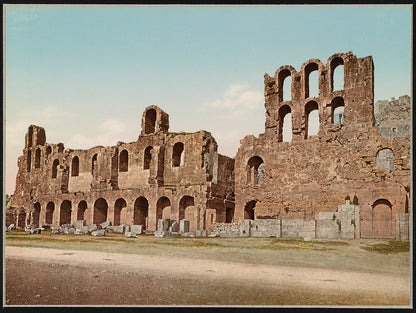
(162,174)
(393,118)
(346,158)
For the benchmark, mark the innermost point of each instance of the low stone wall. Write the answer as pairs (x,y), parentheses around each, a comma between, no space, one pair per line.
(402,226)
(343,224)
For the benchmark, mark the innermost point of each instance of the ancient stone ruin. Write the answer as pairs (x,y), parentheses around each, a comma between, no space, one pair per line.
(349,178)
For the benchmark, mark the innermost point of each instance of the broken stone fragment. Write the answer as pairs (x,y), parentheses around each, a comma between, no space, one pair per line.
(99,232)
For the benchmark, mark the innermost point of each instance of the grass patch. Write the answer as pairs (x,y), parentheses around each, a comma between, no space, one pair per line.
(393,246)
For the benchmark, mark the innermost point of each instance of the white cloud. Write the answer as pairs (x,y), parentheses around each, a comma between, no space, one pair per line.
(238,97)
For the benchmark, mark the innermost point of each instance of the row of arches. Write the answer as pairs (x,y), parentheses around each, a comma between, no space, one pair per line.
(312,121)
(38,156)
(312,75)
(100,212)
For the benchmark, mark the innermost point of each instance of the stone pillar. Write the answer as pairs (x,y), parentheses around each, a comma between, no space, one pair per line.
(152,216)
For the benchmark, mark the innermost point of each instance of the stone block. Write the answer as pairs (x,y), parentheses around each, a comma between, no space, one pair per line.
(98,232)
(244,226)
(11,227)
(80,223)
(188,234)
(92,228)
(184,226)
(28,228)
(126,227)
(80,231)
(201,233)
(35,231)
(163,224)
(57,230)
(174,227)
(162,234)
(118,229)
(265,228)
(129,234)
(67,226)
(136,229)
(105,224)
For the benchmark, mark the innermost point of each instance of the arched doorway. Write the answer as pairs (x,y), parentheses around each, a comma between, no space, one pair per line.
(82,207)
(249,210)
(100,211)
(120,212)
(141,212)
(163,208)
(36,214)
(380,223)
(50,208)
(188,211)
(65,213)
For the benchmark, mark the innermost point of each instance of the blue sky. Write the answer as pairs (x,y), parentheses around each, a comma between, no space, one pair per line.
(87,73)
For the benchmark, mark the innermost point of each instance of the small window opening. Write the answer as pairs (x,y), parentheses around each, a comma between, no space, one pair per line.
(29,160)
(124,161)
(75,166)
(94,163)
(147,158)
(55,168)
(37,158)
(178,155)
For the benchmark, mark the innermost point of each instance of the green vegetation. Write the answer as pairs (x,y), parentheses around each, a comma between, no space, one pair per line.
(8,198)
(392,246)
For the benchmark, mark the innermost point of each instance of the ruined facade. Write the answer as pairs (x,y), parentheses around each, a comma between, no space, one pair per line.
(351,174)
(348,158)
(161,175)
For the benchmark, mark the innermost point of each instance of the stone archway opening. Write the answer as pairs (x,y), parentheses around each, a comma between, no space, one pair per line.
(36,214)
(249,213)
(163,208)
(50,208)
(188,211)
(141,212)
(100,211)
(65,213)
(120,216)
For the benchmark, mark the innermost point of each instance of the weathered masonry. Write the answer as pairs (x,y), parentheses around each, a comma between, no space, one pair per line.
(305,174)
(161,175)
(330,164)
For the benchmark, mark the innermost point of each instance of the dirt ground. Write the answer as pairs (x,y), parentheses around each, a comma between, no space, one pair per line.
(149,271)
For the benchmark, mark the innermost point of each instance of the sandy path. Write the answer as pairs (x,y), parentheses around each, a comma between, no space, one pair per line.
(264,275)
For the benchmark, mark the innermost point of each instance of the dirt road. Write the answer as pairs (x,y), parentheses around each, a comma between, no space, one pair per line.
(52,276)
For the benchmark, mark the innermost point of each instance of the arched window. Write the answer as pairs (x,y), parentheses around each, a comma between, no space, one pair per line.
(147,158)
(255,171)
(75,166)
(150,121)
(37,158)
(48,150)
(29,160)
(285,85)
(337,106)
(311,80)
(177,155)
(123,161)
(337,74)
(285,124)
(55,168)
(94,163)
(312,119)
(385,160)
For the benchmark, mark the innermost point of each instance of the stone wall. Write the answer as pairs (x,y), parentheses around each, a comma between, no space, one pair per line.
(161,175)
(342,224)
(393,118)
(310,174)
